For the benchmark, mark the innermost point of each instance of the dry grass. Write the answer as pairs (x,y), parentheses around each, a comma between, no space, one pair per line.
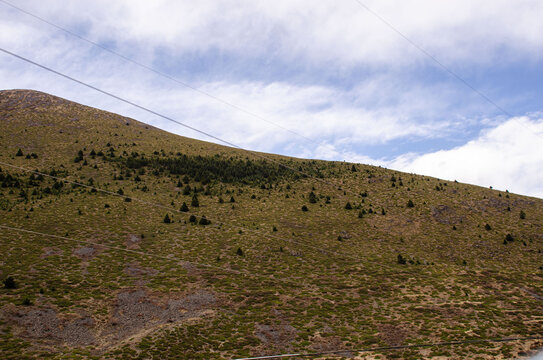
(460,281)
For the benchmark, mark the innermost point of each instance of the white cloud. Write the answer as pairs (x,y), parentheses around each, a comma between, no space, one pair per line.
(341,33)
(380,108)
(505,157)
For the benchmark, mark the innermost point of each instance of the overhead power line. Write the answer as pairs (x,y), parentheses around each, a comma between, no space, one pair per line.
(254,153)
(169,77)
(156,256)
(161,206)
(443,66)
(399,347)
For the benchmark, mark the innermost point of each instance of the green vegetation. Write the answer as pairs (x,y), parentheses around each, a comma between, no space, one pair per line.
(258,275)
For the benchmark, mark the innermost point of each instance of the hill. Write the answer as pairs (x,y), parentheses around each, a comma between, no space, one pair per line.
(120,240)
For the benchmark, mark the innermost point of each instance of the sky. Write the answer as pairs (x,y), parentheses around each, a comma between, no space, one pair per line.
(313,79)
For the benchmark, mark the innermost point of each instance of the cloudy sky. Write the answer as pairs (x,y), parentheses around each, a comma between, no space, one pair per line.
(317,79)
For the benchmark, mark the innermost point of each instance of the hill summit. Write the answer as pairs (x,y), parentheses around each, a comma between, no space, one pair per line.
(120,240)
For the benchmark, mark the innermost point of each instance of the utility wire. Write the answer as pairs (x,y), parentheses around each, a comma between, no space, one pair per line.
(254,153)
(169,77)
(161,206)
(169,258)
(399,347)
(443,66)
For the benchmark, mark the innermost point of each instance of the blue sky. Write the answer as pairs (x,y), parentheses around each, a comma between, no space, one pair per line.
(329,71)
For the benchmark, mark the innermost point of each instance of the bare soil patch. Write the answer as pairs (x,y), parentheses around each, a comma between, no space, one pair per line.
(44,324)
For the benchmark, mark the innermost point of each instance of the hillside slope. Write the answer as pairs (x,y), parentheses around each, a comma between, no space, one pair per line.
(332,256)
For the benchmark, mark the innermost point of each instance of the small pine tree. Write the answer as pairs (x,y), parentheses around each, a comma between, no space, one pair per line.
(509,238)
(19,153)
(167,219)
(239,252)
(401,260)
(221,200)
(192,219)
(195,202)
(348,206)
(204,221)
(184,207)
(522,215)
(304,208)
(232,200)
(410,204)
(360,214)
(353,168)
(488,227)
(274,229)
(9,283)
(312,197)
(187,190)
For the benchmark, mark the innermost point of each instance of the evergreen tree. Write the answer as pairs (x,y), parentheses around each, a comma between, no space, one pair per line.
(184,207)
(19,153)
(187,190)
(204,221)
(401,260)
(167,219)
(195,202)
(304,208)
(239,252)
(9,283)
(410,204)
(232,200)
(312,197)
(348,206)
(192,219)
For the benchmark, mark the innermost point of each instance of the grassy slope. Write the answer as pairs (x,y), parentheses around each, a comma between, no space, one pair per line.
(462,281)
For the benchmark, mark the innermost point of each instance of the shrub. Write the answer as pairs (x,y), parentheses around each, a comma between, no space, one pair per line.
(488,227)
(312,197)
(184,207)
(410,204)
(360,214)
(195,202)
(167,219)
(221,200)
(192,219)
(27,301)
(522,215)
(348,206)
(401,260)
(239,252)
(232,200)
(304,208)
(509,238)
(274,229)
(187,190)
(9,283)
(204,221)
(19,153)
